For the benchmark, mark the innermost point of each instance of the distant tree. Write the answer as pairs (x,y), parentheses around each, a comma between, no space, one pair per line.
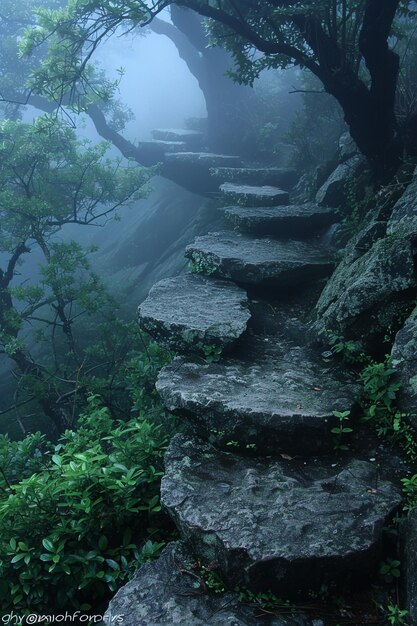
(49,180)
(345,43)
(227,102)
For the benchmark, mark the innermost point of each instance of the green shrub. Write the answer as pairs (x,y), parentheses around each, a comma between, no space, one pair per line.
(84,514)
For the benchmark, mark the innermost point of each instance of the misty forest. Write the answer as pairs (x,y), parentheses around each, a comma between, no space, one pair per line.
(208,312)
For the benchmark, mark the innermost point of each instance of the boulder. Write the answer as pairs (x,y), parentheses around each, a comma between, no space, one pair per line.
(274,396)
(294,220)
(170,592)
(190,313)
(367,286)
(333,191)
(247,260)
(403,220)
(247,195)
(404,360)
(284,525)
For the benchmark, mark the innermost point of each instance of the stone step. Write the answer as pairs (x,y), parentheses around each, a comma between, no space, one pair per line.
(275,176)
(294,220)
(206,159)
(158,146)
(194,314)
(193,138)
(272,396)
(192,169)
(172,590)
(265,262)
(246,195)
(278,524)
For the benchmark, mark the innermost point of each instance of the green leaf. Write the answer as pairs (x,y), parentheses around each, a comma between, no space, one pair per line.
(48,545)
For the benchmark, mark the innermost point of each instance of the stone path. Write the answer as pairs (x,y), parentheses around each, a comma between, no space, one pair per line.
(254,485)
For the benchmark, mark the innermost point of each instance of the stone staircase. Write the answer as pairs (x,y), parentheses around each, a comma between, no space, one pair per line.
(186,160)
(254,485)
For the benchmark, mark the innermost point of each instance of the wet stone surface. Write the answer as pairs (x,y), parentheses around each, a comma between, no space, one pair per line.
(274,176)
(273,396)
(265,262)
(296,220)
(247,195)
(284,525)
(192,313)
(164,593)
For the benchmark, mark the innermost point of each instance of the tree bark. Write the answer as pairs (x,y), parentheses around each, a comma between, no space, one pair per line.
(227,102)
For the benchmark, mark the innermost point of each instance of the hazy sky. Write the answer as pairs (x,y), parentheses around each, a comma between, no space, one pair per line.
(157,84)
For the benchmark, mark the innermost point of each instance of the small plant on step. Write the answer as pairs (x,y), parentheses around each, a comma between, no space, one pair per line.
(351,351)
(267,601)
(389,570)
(209,578)
(341,430)
(410,491)
(212,353)
(200,264)
(395,616)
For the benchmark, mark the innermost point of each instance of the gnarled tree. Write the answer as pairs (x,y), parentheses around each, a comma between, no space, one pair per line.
(345,43)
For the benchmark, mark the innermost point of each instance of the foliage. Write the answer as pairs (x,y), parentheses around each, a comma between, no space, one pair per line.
(410,492)
(380,391)
(49,179)
(394,615)
(74,529)
(389,570)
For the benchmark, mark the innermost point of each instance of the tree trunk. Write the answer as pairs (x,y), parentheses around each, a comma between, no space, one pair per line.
(227,102)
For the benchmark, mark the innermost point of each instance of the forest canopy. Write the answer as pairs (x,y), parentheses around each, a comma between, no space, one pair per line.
(354,49)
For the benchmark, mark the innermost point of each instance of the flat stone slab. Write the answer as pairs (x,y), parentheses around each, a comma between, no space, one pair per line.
(273,397)
(207,159)
(275,176)
(283,525)
(190,137)
(247,260)
(247,195)
(161,147)
(169,591)
(294,220)
(190,313)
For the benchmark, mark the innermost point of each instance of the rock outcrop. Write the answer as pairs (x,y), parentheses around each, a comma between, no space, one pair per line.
(364,289)
(333,192)
(410,567)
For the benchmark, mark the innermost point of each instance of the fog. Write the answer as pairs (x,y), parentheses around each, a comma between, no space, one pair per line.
(157,85)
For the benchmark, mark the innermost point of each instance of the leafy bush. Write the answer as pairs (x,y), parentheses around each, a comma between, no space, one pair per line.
(74,529)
